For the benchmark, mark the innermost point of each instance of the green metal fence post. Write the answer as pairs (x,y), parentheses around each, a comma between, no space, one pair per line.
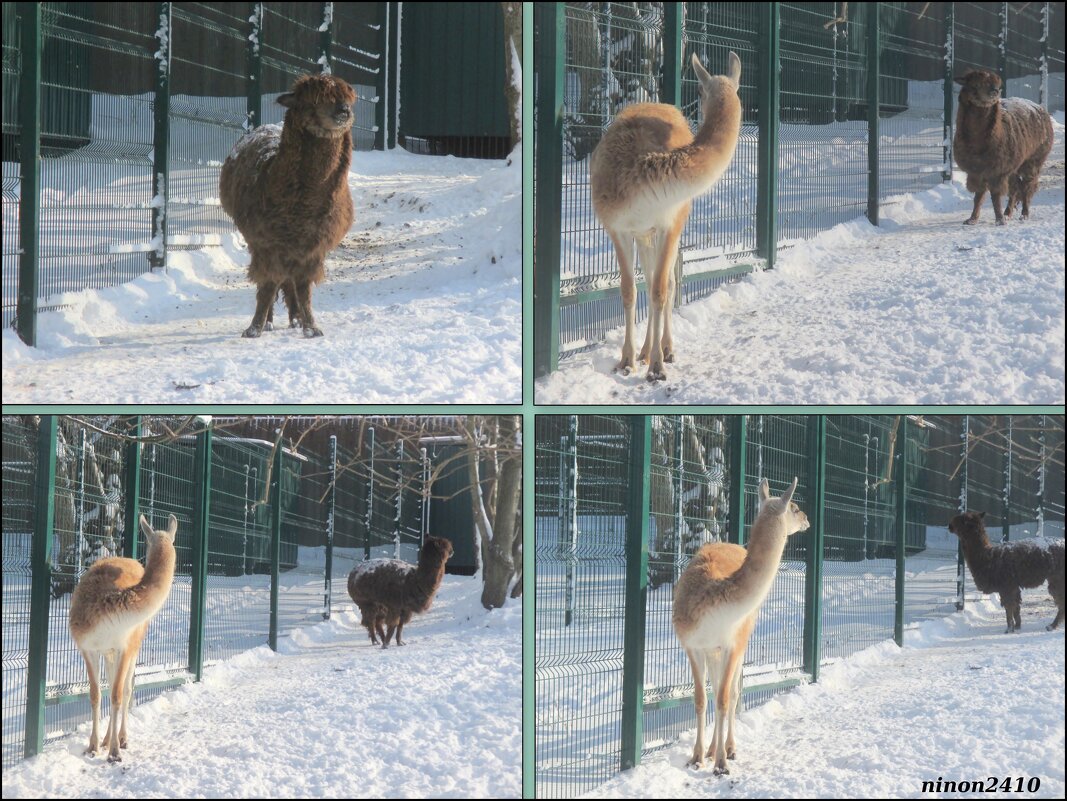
(200,543)
(370,493)
(671,90)
(816,502)
(1002,49)
(901,527)
(331,505)
(874,102)
(161,139)
(391,84)
(29,15)
(326,38)
(961,565)
(637,526)
(1005,523)
(950,49)
(132,488)
(767,153)
(548,171)
(255,68)
(275,541)
(1045,30)
(738,465)
(568,476)
(381,84)
(40,584)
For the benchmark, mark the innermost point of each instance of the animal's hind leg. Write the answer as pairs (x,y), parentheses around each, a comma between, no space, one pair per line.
(303,300)
(265,295)
(289,293)
(628,291)
(92,666)
(404,618)
(1011,600)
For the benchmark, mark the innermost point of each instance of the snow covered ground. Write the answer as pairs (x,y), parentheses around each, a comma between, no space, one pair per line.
(329,715)
(422,303)
(961,701)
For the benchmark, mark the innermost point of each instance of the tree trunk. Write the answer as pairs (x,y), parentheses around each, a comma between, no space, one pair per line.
(499,560)
(513,58)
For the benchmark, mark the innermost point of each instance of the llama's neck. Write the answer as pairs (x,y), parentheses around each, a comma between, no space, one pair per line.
(158,570)
(976,125)
(976,548)
(754,578)
(321,157)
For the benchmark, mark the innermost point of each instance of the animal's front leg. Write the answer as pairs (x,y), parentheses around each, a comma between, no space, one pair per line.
(997,201)
(667,340)
(303,299)
(291,303)
(979,196)
(265,295)
(628,290)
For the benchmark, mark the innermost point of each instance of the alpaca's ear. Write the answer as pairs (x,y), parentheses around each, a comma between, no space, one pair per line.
(172,527)
(146,527)
(287,99)
(981,515)
(788,497)
(764,491)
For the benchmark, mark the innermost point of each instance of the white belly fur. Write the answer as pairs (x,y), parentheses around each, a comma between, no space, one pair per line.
(717,628)
(111,633)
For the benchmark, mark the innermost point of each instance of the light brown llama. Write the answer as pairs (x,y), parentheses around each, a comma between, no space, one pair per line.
(716,600)
(643,176)
(389,592)
(109,614)
(1000,144)
(287,192)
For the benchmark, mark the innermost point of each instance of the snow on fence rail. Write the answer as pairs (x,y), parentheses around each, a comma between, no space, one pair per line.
(611,682)
(810,129)
(246,511)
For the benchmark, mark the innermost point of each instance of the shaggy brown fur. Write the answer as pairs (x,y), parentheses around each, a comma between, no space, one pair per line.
(287,191)
(1007,566)
(1001,144)
(388,592)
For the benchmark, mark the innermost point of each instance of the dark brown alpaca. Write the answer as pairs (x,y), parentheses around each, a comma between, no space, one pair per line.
(388,592)
(287,191)
(1000,144)
(1007,566)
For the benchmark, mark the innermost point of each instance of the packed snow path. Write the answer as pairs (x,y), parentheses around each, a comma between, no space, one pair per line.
(961,701)
(329,716)
(421,304)
(920,310)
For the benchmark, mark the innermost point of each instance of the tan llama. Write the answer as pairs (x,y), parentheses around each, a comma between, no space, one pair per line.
(716,601)
(109,614)
(643,176)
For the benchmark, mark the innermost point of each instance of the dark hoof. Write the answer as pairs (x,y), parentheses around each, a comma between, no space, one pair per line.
(668,357)
(114,758)
(972,221)
(268,326)
(655,374)
(732,755)
(294,323)
(312,332)
(1001,222)
(252,332)
(623,367)
(90,751)
(723,771)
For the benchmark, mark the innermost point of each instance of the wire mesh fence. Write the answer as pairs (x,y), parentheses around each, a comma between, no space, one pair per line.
(857,110)
(255,550)
(611,682)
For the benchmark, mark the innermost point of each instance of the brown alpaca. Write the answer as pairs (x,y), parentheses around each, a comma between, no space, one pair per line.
(388,591)
(1006,567)
(643,176)
(716,601)
(109,614)
(1000,144)
(287,191)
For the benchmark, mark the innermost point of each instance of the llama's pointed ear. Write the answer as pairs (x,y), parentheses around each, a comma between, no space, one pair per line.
(734,73)
(172,527)
(764,492)
(789,493)
(702,74)
(286,100)
(146,527)
(981,515)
